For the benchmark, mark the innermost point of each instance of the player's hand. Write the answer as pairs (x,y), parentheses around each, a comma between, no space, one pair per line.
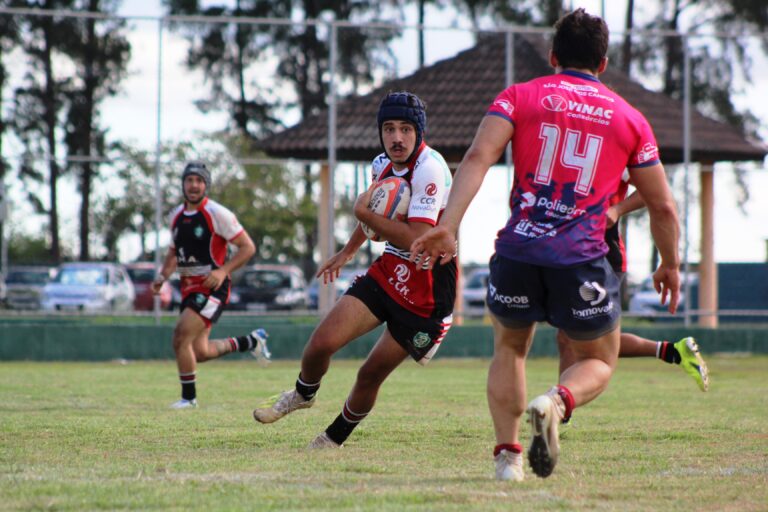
(362,201)
(611,217)
(437,243)
(331,268)
(214,279)
(157,285)
(666,281)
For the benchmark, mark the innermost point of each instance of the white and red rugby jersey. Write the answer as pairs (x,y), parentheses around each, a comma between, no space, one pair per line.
(573,139)
(429,294)
(200,239)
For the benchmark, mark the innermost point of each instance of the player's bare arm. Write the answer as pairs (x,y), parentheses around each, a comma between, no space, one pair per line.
(330,269)
(491,138)
(632,203)
(168,267)
(651,183)
(245,250)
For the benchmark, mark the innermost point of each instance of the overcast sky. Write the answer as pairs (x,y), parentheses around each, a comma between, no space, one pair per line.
(133,116)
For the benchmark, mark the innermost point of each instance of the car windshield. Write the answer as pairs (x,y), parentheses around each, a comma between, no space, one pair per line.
(142,275)
(82,276)
(266,279)
(27,277)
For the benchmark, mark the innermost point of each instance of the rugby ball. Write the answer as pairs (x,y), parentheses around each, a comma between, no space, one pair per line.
(390,198)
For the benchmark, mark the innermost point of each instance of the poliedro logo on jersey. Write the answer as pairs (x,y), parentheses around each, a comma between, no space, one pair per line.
(510,301)
(403,274)
(421,340)
(528,200)
(505,106)
(554,102)
(559,209)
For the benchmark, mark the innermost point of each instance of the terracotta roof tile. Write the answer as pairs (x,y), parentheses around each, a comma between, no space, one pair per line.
(458,91)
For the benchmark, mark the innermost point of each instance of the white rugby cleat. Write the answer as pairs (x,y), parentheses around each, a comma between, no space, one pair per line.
(282,404)
(184,404)
(509,466)
(544,415)
(323,441)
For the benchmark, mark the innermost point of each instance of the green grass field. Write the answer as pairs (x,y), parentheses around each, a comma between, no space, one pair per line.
(99,436)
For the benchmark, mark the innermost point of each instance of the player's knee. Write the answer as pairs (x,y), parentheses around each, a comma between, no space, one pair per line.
(201,356)
(320,345)
(371,376)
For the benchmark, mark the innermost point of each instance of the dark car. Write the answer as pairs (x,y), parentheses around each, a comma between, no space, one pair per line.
(269,287)
(142,273)
(24,286)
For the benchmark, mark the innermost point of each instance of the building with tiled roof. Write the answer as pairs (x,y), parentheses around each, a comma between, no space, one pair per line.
(458,91)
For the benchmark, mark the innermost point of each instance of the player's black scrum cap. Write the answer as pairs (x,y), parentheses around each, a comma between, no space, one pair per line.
(197,169)
(404,106)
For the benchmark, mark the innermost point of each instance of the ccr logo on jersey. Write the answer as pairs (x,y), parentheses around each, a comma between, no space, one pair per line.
(403,274)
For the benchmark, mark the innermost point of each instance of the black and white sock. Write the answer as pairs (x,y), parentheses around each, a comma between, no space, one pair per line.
(188,391)
(344,424)
(243,343)
(667,352)
(307,389)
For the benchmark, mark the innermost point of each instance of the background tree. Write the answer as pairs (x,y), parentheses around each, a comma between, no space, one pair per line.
(9,38)
(37,105)
(225,53)
(100,54)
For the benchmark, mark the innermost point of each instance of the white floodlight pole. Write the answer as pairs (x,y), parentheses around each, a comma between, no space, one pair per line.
(330,291)
(158,149)
(687,170)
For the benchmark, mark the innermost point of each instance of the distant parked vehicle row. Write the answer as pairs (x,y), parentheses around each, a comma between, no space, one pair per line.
(265,287)
(142,274)
(25,284)
(89,287)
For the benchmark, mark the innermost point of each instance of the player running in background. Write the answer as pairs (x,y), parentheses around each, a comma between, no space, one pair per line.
(415,306)
(200,230)
(572,138)
(685,352)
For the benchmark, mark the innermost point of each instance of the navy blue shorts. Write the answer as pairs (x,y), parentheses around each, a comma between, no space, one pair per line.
(419,336)
(583,301)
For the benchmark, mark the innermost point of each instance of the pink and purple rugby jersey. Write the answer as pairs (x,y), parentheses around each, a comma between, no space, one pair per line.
(573,139)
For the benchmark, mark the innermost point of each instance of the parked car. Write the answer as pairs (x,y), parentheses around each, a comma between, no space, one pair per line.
(24,285)
(646,300)
(269,287)
(346,276)
(89,287)
(142,273)
(474,292)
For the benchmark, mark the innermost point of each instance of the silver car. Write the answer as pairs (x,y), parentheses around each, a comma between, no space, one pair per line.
(89,287)
(25,286)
